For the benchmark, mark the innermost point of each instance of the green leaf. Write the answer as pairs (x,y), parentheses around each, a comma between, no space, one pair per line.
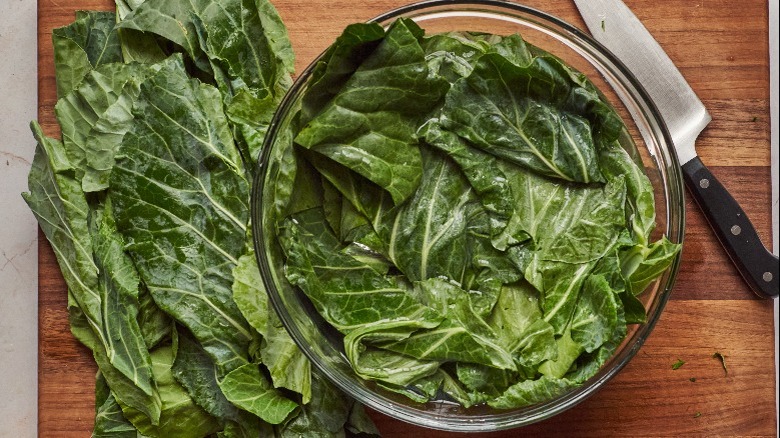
(370,124)
(484,175)
(88,42)
(110,421)
(559,284)
(346,291)
(338,64)
(452,55)
(389,367)
(196,372)
(324,416)
(514,112)
(568,352)
(642,265)
(154,323)
(118,287)
(517,320)
(102,286)
(426,237)
(530,392)
(180,197)
(253,46)
(245,39)
(95,116)
(588,364)
(180,417)
(288,366)
(56,200)
(247,388)
(145,409)
(595,318)
(640,205)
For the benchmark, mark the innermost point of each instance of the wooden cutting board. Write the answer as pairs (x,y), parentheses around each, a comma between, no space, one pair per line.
(721,47)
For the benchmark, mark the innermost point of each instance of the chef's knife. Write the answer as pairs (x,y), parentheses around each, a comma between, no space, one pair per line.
(613,25)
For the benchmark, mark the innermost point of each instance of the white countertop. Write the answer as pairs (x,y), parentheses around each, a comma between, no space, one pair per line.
(18,230)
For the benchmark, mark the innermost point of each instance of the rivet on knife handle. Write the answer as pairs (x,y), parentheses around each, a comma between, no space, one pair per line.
(734,230)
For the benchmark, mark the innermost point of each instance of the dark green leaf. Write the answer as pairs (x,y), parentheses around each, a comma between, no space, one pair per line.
(595,318)
(370,124)
(90,41)
(529,392)
(247,388)
(512,112)
(180,196)
(288,366)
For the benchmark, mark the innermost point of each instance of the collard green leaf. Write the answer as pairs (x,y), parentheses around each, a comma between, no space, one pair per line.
(383,365)
(426,237)
(288,366)
(154,323)
(529,392)
(569,351)
(172,20)
(353,296)
(640,205)
(180,196)
(56,200)
(568,223)
(360,423)
(369,125)
(452,55)
(452,341)
(348,293)
(96,115)
(588,228)
(244,40)
(102,286)
(88,42)
(337,65)
(366,198)
(325,416)
(595,319)
(512,112)
(197,373)
(110,422)
(145,409)
(485,176)
(180,417)
(247,388)
(488,382)
(588,364)
(517,320)
(118,285)
(642,265)
(559,284)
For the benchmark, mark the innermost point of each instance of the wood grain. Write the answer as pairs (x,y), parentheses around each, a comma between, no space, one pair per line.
(721,48)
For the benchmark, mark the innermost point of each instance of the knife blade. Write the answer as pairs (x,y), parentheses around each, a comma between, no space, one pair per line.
(612,24)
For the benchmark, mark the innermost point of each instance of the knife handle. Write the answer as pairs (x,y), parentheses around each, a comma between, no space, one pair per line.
(734,230)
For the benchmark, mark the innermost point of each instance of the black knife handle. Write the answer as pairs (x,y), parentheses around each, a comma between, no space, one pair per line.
(736,233)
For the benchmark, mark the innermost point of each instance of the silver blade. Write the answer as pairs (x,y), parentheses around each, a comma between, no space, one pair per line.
(613,24)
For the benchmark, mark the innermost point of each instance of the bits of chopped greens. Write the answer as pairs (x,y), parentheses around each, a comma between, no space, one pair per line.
(461,208)
(718,355)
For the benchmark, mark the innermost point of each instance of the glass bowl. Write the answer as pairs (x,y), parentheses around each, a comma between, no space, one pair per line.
(323,345)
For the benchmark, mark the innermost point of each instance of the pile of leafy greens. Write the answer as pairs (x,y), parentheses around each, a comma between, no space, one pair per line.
(463,213)
(162,106)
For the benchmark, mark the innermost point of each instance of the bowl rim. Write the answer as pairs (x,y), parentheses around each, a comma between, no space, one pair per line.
(672,184)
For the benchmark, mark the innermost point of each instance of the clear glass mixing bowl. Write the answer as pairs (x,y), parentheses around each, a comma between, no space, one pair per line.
(323,345)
